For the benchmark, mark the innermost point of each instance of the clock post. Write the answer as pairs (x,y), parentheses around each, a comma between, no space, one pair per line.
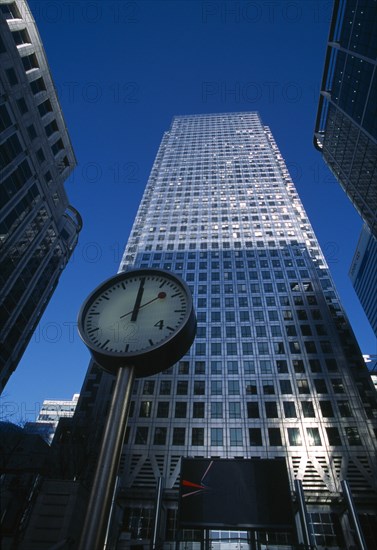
(135,324)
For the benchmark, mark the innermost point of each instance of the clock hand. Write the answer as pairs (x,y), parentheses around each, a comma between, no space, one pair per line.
(161,296)
(139,296)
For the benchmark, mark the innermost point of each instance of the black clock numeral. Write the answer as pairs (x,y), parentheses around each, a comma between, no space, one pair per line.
(151,342)
(175,295)
(159,324)
(162,284)
(127,348)
(105,344)
(179,311)
(170,328)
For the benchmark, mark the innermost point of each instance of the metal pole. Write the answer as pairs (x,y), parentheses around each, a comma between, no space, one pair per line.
(157,514)
(94,530)
(353,513)
(303,514)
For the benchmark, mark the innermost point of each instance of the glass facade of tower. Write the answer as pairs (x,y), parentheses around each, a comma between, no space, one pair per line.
(38,227)
(275,370)
(346,125)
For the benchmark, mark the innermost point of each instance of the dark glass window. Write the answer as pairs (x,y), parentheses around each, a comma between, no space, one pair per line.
(289,409)
(180,409)
(163,409)
(252,409)
(255,436)
(271,409)
(198,409)
(197,436)
(141,436)
(274,436)
(159,436)
(179,436)
(308,409)
(326,409)
(333,436)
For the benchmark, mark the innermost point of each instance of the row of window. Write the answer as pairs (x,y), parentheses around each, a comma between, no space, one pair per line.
(236,438)
(234,409)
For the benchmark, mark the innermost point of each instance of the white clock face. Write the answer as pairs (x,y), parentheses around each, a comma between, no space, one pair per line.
(135,314)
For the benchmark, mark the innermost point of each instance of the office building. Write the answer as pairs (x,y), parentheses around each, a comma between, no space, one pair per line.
(346,125)
(363,275)
(51,412)
(274,371)
(38,227)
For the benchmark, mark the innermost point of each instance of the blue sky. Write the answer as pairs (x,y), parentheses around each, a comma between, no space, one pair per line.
(123,69)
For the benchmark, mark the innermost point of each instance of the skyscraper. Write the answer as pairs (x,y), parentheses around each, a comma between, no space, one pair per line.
(275,370)
(363,275)
(38,227)
(346,127)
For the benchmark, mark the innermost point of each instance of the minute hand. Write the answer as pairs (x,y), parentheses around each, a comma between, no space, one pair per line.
(159,297)
(139,296)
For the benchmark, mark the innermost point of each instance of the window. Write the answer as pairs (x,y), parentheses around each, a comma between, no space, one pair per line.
(216,409)
(298,366)
(294,436)
(271,409)
(198,409)
(216,367)
(268,387)
(252,410)
(179,436)
(217,437)
(314,438)
(344,409)
(148,387)
(183,367)
(233,387)
(200,367)
(165,387)
(199,387)
(236,439)
(232,367)
(159,436)
(289,409)
(255,437)
(285,387)
(141,435)
(163,409)
(263,348)
(274,436)
(216,387)
(30,62)
(249,366)
(353,436)
(326,409)
(197,436)
(320,386)
(251,387)
(145,409)
(307,409)
(333,436)
(38,86)
(182,387)
(11,76)
(281,366)
(337,385)
(180,409)
(303,386)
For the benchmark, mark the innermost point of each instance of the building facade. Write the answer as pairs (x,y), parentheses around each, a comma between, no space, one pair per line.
(275,370)
(51,412)
(363,275)
(38,227)
(346,125)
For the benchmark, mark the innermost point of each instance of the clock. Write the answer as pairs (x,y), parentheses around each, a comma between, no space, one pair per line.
(142,318)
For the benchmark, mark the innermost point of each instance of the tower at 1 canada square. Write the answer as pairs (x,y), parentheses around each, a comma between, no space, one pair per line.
(275,371)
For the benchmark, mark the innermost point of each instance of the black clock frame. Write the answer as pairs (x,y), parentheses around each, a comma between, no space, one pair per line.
(158,357)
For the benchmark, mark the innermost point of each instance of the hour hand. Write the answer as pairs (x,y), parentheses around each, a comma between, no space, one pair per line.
(139,296)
